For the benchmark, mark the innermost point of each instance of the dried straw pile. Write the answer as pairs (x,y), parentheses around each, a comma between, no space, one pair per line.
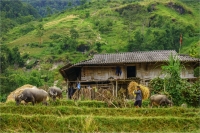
(86,94)
(132,87)
(16,92)
(94,94)
(104,95)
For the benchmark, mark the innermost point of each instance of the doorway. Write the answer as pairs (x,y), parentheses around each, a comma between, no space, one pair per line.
(131,71)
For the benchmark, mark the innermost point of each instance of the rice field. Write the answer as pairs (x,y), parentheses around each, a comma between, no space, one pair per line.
(96,116)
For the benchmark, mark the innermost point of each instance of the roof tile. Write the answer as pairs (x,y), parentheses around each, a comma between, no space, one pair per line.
(131,57)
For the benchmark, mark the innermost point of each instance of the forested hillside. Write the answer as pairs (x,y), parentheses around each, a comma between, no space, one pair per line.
(15,12)
(29,44)
(48,7)
(110,26)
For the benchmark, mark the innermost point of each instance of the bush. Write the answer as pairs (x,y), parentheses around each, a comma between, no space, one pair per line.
(197,72)
(3,97)
(54,36)
(156,85)
(82,47)
(191,93)
(31,64)
(34,45)
(27,29)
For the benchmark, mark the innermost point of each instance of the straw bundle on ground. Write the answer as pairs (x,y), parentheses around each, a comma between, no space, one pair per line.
(16,92)
(132,87)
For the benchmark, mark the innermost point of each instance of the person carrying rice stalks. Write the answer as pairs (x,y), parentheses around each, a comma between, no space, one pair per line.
(138,99)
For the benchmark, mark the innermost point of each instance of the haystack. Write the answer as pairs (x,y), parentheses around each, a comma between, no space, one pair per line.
(16,92)
(132,87)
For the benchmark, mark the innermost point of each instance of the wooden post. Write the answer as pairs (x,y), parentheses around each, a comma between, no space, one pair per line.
(116,88)
(67,90)
(113,89)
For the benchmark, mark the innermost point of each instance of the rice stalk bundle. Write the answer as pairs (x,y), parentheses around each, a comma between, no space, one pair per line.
(75,95)
(133,86)
(103,95)
(82,93)
(145,92)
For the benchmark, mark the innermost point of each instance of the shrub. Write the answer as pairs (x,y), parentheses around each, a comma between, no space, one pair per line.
(173,79)
(27,29)
(191,93)
(156,85)
(3,97)
(31,64)
(54,36)
(197,72)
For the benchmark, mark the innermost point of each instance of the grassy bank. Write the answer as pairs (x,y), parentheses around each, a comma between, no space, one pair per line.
(68,117)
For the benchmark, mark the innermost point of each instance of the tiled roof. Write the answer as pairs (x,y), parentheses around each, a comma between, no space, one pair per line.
(135,57)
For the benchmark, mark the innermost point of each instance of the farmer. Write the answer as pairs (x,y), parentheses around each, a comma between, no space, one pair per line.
(138,99)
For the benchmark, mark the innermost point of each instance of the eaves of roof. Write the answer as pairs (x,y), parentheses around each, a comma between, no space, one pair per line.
(135,57)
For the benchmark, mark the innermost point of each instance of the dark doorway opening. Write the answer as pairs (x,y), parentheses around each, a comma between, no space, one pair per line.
(131,71)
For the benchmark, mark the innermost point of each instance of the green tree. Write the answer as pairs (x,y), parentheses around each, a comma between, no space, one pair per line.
(12,79)
(4,57)
(190,93)
(40,32)
(172,79)
(49,11)
(98,45)
(83,2)
(4,63)
(197,72)
(68,43)
(157,85)
(69,4)
(10,57)
(136,43)
(55,37)
(193,51)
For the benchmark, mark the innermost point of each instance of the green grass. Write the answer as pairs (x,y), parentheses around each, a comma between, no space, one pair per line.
(100,111)
(95,116)
(163,10)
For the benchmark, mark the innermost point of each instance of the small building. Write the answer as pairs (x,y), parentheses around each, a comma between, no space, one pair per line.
(116,70)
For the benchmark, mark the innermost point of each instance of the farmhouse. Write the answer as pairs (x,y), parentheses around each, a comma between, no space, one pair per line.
(117,70)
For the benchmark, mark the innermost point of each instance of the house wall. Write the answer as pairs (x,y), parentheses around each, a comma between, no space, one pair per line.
(187,71)
(144,71)
(148,70)
(101,73)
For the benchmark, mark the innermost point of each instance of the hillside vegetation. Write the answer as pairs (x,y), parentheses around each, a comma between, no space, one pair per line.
(46,8)
(109,26)
(14,13)
(95,116)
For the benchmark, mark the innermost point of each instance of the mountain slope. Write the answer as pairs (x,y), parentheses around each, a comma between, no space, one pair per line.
(109,27)
(46,8)
(14,13)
